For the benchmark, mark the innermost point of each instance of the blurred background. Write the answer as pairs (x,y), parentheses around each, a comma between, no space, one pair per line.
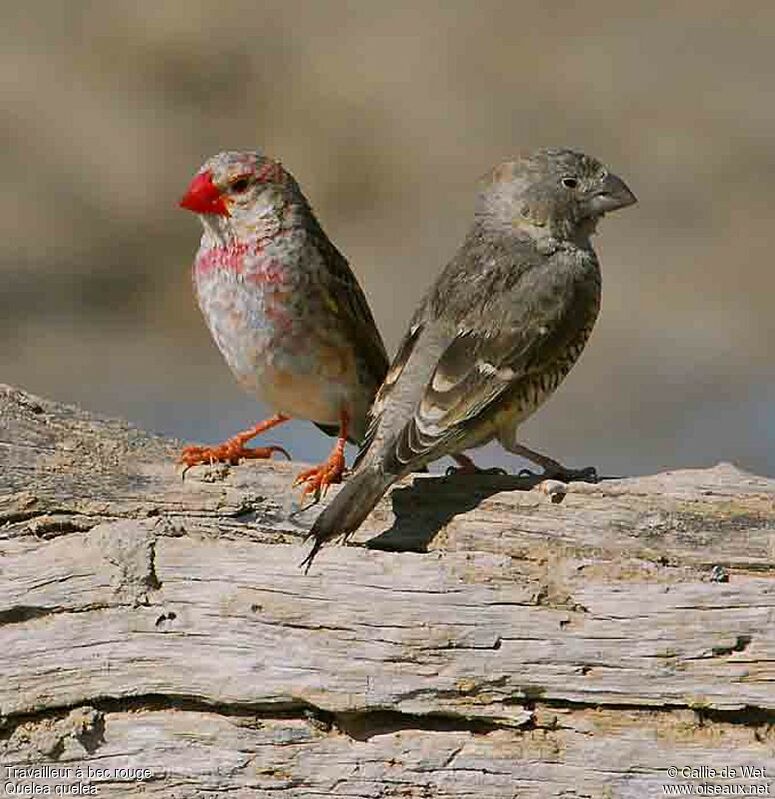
(387,114)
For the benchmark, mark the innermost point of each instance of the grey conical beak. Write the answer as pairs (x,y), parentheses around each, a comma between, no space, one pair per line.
(611,195)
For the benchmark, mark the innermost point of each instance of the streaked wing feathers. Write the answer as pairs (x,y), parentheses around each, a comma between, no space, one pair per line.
(347,300)
(478,369)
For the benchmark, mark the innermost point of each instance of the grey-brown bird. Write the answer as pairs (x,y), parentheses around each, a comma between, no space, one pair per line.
(495,335)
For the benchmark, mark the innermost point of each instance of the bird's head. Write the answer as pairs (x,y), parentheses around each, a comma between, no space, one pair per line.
(236,190)
(557,193)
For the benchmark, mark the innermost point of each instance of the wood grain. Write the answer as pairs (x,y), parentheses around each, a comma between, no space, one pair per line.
(478,639)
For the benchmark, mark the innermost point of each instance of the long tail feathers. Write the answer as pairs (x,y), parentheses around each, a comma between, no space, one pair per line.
(348,509)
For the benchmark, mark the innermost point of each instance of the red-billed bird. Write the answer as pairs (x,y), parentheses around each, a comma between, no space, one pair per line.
(284,309)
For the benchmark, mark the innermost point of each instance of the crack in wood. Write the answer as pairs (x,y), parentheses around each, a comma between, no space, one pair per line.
(358,724)
(18,614)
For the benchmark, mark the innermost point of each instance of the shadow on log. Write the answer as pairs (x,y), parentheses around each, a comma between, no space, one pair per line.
(160,630)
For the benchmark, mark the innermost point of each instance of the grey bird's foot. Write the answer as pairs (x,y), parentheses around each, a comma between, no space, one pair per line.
(467,466)
(552,469)
(562,473)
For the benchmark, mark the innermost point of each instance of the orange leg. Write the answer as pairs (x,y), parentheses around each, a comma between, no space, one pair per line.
(320,477)
(233,450)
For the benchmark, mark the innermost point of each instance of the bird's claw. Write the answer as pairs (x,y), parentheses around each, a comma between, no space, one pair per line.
(317,479)
(586,475)
(564,475)
(231,452)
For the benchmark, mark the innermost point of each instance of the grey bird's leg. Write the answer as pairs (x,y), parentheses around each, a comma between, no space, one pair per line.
(553,470)
(467,466)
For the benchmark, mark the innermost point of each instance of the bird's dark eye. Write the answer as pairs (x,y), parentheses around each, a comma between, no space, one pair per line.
(239,185)
(570,183)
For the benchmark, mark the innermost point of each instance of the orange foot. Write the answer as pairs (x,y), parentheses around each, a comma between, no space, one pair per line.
(234,450)
(319,478)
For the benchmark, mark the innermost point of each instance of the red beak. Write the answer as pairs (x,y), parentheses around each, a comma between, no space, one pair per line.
(203,197)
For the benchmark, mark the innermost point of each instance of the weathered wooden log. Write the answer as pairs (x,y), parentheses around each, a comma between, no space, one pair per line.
(477,639)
